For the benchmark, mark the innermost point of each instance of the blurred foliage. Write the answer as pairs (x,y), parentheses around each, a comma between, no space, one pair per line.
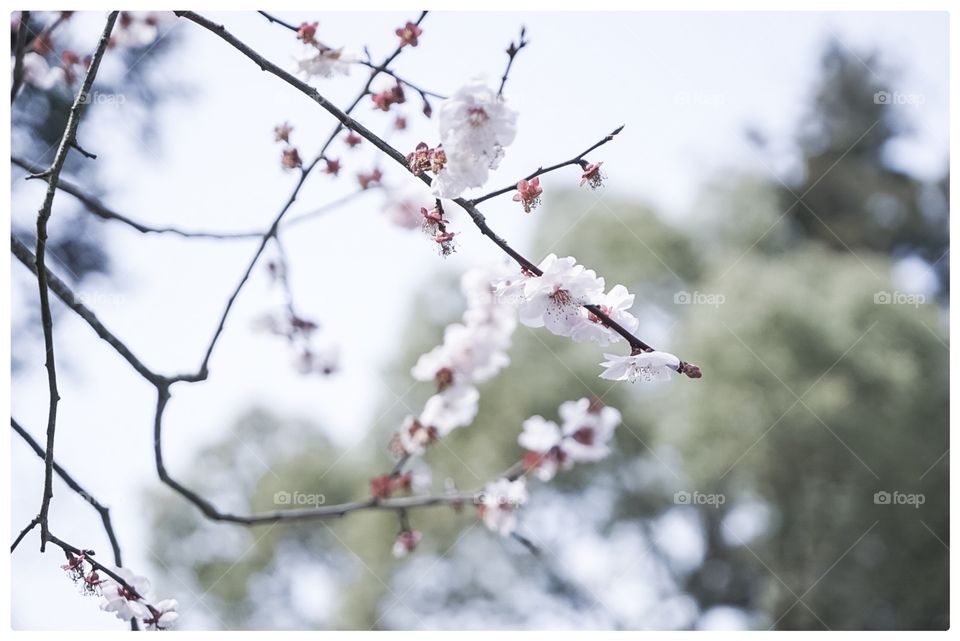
(816,396)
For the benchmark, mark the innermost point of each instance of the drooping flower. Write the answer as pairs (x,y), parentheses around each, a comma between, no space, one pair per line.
(645,366)
(587,429)
(498,502)
(405,543)
(616,304)
(528,194)
(475,127)
(592,175)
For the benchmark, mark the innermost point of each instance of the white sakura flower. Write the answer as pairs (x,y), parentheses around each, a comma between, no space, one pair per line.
(554,299)
(166,614)
(542,439)
(587,430)
(645,366)
(475,126)
(498,503)
(118,599)
(468,354)
(452,408)
(616,304)
(323,63)
(414,437)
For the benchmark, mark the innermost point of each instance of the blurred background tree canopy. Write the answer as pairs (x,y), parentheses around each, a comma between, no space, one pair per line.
(820,392)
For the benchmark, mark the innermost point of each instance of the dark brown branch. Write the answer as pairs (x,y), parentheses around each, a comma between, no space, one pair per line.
(512,52)
(24,532)
(83,152)
(101,509)
(478,218)
(53,175)
(578,160)
(65,294)
(278,21)
(19,50)
(102,211)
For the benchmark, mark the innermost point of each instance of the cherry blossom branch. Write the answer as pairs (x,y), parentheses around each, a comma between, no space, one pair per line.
(53,175)
(19,50)
(101,509)
(478,218)
(512,52)
(100,210)
(579,160)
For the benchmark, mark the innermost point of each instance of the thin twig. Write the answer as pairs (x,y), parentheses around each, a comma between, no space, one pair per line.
(512,52)
(102,211)
(53,176)
(19,50)
(24,532)
(578,160)
(101,509)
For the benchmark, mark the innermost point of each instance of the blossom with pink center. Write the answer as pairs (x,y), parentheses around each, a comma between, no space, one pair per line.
(645,367)
(164,615)
(475,127)
(414,437)
(408,34)
(555,298)
(498,503)
(125,603)
(528,194)
(587,429)
(592,175)
(454,407)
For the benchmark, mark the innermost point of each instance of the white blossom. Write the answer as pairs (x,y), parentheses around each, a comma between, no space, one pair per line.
(38,73)
(543,439)
(475,126)
(454,407)
(498,503)
(316,62)
(645,366)
(117,599)
(554,299)
(165,616)
(587,430)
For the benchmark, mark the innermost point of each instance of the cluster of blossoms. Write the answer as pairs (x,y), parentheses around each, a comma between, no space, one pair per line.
(125,599)
(317,60)
(583,436)
(473,352)
(475,127)
(139,29)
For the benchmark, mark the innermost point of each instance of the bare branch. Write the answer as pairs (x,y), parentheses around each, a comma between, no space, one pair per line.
(53,176)
(19,50)
(24,532)
(76,487)
(512,52)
